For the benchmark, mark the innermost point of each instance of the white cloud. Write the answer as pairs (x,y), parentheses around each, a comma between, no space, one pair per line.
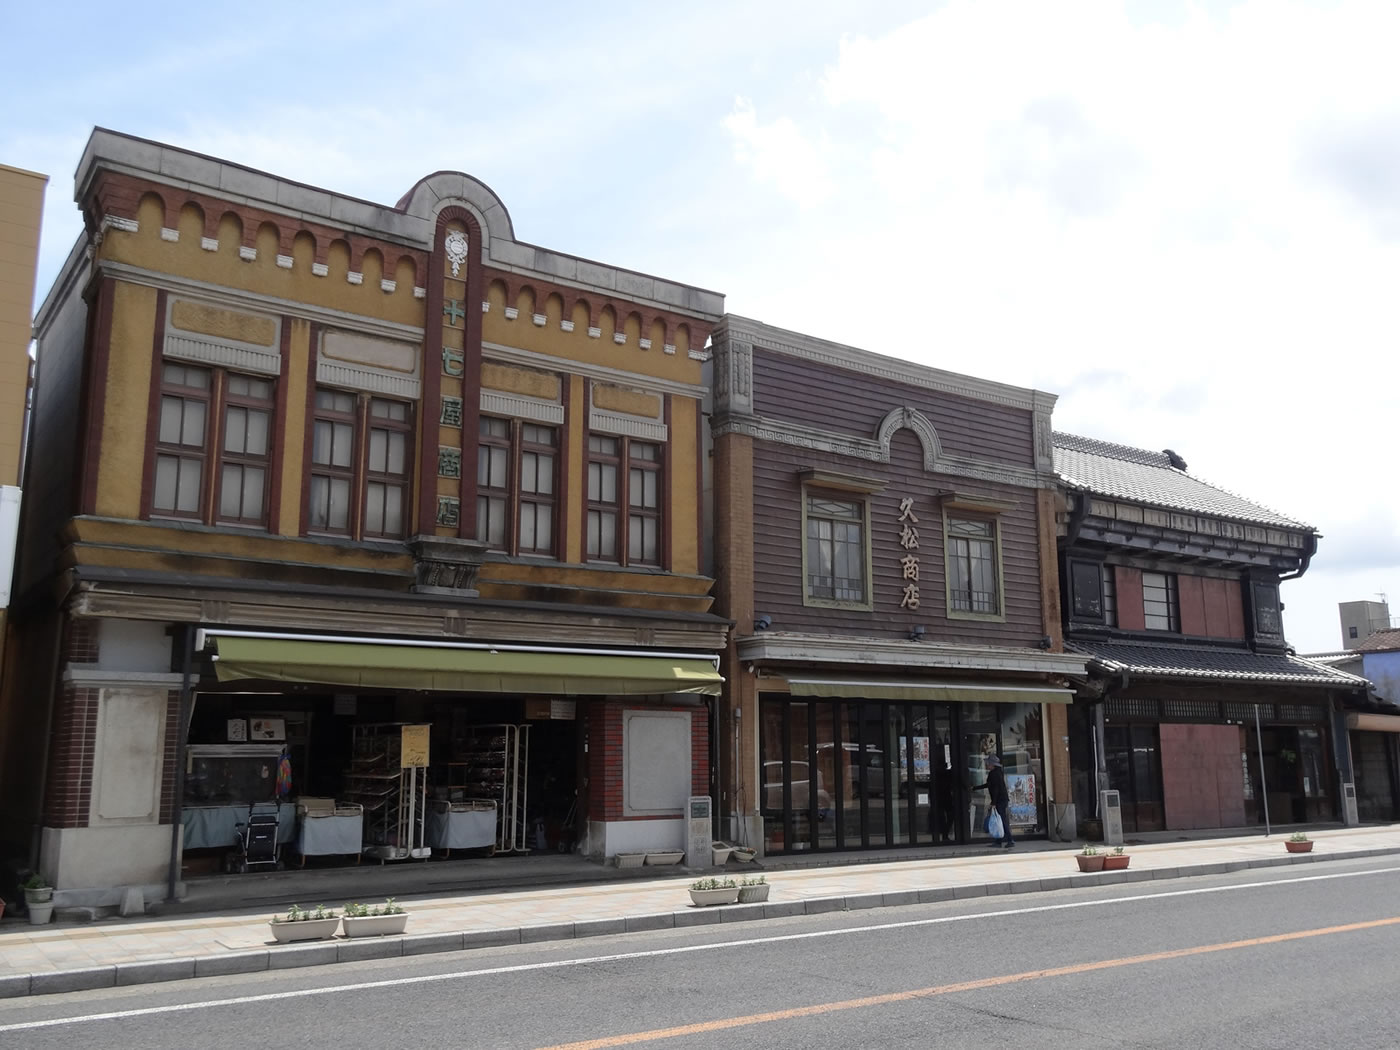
(778,153)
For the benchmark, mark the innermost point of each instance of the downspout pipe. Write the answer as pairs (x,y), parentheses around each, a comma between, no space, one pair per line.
(177,809)
(1308,553)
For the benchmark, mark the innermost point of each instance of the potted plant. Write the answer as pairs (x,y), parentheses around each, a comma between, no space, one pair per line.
(1117,860)
(704,892)
(299,924)
(743,854)
(752,889)
(630,860)
(1298,843)
(38,898)
(720,851)
(1090,859)
(362,920)
(665,856)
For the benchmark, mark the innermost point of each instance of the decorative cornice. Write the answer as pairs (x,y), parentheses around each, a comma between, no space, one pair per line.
(247,254)
(234,297)
(496,403)
(377,381)
(838,355)
(222,353)
(906,418)
(167,234)
(209,244)
(117,222)
(285,261)
(320,269)
(890,654)
(782,433)
(355,278)
(419,292)
(386,285)
(632,426)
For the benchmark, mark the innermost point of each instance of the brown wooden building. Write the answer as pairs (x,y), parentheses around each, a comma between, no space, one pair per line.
(885,546)
(1171,590)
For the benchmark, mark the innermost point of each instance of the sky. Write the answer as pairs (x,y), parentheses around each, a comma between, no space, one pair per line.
(1182,218)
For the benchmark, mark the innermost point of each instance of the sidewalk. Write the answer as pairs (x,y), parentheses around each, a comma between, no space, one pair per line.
(73,957)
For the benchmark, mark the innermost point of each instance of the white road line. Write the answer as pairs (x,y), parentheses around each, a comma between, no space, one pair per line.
(558,964)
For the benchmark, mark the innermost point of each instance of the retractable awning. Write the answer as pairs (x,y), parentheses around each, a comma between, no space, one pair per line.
(908,689)
(460,668)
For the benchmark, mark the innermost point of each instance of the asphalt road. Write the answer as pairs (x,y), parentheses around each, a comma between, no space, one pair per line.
(1270,958)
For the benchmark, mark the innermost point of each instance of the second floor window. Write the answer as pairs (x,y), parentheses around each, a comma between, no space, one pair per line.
(972,566)
(516,475)
(625,514)
(1159,605)
(359,488)
(836,550)
(213,445)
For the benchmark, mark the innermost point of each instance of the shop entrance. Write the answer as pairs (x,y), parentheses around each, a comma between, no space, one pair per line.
(865,774)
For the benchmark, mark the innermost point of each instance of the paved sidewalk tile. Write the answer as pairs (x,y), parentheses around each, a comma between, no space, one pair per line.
(69,957)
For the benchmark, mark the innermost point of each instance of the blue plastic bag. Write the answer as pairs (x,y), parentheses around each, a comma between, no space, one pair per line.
(994,825)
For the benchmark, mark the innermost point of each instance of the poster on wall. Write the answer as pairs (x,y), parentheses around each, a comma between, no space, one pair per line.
(921,765)
(1020,788)
(267,729)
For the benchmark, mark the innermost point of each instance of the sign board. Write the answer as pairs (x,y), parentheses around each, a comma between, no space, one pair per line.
(1021,807)
(413,748)
(547,710)
(267,729)
(237,730)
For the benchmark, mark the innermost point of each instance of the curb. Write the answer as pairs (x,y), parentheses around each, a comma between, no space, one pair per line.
(15,986)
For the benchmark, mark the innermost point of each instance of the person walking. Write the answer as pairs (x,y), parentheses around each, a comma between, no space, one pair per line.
(995,784)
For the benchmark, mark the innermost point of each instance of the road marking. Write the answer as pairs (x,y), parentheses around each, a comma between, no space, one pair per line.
(683,949)
(817,1009)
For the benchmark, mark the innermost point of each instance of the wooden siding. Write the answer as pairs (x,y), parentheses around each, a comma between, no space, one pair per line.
(1128,590)
(1210,613)
(829,398)
(777,545)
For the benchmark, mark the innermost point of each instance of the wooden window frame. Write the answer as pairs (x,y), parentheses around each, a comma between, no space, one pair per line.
(1172,601)
(955,513)
(622,508)
(358,473)
(516,447)
(403,479)
(635,511)
(217,399)
(861,500)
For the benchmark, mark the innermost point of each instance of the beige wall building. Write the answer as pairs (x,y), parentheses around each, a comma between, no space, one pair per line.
(21,203)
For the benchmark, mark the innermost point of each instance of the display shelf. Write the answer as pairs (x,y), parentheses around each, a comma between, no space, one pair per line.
(393,797)
(491,762)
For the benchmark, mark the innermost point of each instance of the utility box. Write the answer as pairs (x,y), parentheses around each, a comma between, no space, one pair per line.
(1349,814)
(699,832)
(1112,815)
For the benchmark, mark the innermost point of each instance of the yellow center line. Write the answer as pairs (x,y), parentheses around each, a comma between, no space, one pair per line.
(818,1009)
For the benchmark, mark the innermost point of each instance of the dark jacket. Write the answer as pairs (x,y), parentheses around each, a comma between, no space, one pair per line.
(996,787)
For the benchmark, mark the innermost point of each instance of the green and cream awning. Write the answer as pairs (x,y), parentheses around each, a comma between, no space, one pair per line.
(458,668)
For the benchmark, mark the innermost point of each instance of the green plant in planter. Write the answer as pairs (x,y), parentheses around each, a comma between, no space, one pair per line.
(1117,851)
(713,884)
(365,911)
(35,882)
(1297,836)
(1090,851)
(753,880)
(296,913)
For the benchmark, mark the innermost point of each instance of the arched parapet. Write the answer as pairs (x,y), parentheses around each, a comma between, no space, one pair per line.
(911,419)
(430,195)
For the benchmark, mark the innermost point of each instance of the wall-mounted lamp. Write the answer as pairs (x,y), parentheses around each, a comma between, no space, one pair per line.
(762,622)
(1045,642)
(916,632)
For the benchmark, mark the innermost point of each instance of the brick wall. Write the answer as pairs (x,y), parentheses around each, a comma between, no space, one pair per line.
(605,765)
(79,642)
(68,791)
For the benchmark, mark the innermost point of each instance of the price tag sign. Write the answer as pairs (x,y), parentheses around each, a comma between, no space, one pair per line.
(413,751)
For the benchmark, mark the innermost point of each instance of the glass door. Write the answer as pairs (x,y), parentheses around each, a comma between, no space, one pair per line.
(978,743)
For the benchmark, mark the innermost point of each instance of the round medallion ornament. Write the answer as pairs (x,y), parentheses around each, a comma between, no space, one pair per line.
(456,247)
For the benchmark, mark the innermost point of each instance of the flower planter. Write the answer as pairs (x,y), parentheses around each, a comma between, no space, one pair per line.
(1116,862)
(704,898)
(40,914)
(375,925)
(304,930)
(1298,847)
(1093,863)
(720,854)
(665,856)
(40,896)
(753,894)
(630,860)
(742,854)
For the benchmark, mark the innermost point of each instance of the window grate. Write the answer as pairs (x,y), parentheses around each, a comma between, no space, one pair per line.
(1121,708)
(1299,713)
(1190,710)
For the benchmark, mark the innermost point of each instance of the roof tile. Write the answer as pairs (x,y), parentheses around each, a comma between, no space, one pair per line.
(1122,472)
(1158,660)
